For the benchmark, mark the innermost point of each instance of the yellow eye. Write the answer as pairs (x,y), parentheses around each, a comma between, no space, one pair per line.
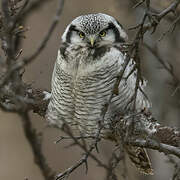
(81,34)
(102,33)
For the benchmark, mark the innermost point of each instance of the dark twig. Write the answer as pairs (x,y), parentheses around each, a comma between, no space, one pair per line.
(170,9)
(170,29)
(155,18)
(117,156)
(139,4)
(35,142)
(42,45)
(167,149)
(84,158)
(146,132)
(48,35)
(153,10)
(169,68)
(157,55)
(16,96)
(77,137)
(33,5)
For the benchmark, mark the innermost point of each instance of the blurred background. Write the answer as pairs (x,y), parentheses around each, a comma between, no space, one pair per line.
(16,158)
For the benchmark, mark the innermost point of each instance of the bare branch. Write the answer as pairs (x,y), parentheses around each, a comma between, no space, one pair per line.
(16,96)
(170,29)
(19,64)
(169,69)
(155,53)
(47,36)
(167,149)
(145,125)
(35,142)
(77,137)
(84,158)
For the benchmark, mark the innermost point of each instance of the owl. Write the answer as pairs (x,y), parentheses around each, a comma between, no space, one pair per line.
(84,75)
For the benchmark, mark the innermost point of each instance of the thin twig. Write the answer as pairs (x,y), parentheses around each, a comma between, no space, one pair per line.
(77,137)
(35,143)
(170,29)
(21,63)
(48,35)
(161,61)
(84,158)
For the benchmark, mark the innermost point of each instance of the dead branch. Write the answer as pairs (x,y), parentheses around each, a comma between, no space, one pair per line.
(145,126)
(35,140)
(168,67)
(84,158)
(16,96)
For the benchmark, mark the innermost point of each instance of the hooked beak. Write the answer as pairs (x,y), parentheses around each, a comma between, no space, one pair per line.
(92,40)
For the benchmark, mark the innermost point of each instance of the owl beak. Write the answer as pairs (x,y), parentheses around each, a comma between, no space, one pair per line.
(92,40)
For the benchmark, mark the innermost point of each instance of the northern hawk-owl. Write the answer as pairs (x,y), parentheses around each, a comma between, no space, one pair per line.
(84,75)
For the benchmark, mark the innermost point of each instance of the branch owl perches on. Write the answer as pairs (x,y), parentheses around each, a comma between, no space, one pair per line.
(97,87)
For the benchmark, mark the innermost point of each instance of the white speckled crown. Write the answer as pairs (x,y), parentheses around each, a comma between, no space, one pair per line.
(93,23)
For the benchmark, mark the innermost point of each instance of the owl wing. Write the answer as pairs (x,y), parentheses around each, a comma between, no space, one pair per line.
(123,102)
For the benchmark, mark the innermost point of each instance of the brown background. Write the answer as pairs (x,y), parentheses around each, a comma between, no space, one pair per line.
(16,159)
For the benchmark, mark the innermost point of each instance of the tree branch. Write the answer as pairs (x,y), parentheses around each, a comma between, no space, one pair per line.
(15,96)
(144,126)
(34,139)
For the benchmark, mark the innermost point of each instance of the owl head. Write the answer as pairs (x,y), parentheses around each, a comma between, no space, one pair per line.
(94,30)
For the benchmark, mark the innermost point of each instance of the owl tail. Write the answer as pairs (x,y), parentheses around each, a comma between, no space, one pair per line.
(140,159)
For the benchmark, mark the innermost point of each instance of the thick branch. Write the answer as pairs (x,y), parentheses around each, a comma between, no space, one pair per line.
(167,149)
(148,133)
(144,126)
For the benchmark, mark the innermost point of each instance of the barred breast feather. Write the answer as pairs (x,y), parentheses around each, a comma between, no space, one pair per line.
(82,84)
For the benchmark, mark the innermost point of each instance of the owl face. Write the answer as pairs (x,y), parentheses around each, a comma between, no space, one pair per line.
(94,30)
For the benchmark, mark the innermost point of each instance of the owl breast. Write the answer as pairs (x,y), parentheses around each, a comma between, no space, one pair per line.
(82,85)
